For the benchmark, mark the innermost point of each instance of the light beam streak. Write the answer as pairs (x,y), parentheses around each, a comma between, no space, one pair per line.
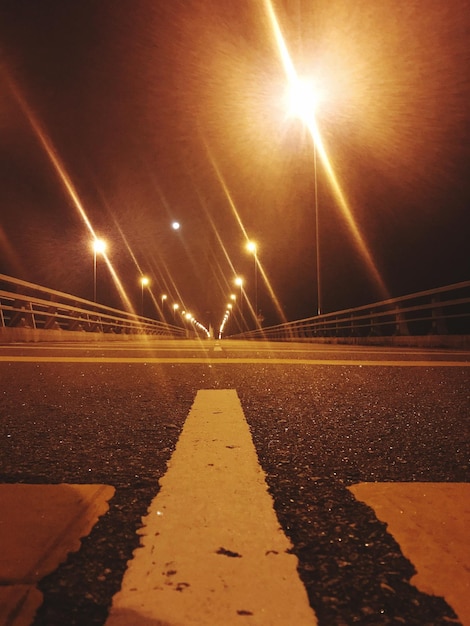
(312,126)
(244,232)
(65,179)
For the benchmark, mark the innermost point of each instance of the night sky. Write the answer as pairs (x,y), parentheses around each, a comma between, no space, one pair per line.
(156,110)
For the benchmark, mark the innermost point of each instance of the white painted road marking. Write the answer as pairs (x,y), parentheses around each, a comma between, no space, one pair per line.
(230,361)
(212,551)
(430,521)
(40,525)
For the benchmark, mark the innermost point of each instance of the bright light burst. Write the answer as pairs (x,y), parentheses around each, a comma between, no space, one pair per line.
(251,247)
(99,246)
(302,98)
(303,101)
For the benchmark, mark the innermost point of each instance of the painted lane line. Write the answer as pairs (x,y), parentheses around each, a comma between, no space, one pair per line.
(40,525)
(212,551)
(230,361)
(430,521)
(151,349)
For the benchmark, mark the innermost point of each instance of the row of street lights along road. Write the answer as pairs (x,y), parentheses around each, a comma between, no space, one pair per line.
(302,102)
(145,282)
(99,248)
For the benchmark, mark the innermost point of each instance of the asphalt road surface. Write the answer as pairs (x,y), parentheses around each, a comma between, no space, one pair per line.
(323,421)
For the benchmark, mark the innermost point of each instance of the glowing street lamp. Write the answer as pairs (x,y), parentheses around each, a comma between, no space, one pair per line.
(163,298)
(252,248)
(99,247)
(175,307)
(239,282)
(144,282)
(303,100)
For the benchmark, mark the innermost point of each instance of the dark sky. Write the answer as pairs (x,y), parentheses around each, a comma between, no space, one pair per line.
(159,110)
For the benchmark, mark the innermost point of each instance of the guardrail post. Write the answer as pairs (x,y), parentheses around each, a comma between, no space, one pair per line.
(401,327)
(75,324)
(352,329)
(438,325)
(374,330)
(94,324)
(51,319)
(23,317)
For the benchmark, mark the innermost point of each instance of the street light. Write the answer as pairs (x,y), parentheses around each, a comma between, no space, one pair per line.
(175,307)
(144,282)
(317,235)
(303,99)
(239,282)
(99,247)
(163,298)
(252,247)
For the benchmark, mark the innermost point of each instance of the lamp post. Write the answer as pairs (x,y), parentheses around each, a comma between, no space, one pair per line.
(163,297)
(176,306)
(99,246)
(144,282)
(317,236)
(233,298)
(303,99)
(239,282)
(253,248)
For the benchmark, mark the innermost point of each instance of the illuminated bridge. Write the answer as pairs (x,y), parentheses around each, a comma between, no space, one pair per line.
(315,472)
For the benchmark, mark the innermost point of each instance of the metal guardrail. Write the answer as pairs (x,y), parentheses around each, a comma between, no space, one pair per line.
(26,305)
(442,311)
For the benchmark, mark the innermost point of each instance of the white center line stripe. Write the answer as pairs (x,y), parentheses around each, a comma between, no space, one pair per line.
(212,551)
(230,361)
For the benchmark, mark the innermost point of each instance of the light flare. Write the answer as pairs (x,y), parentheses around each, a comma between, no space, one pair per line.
(299,88)
(66,181)
(238,219)
(302,98)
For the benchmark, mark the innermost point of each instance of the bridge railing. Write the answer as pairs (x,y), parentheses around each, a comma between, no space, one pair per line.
(30,306)
(444,311)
